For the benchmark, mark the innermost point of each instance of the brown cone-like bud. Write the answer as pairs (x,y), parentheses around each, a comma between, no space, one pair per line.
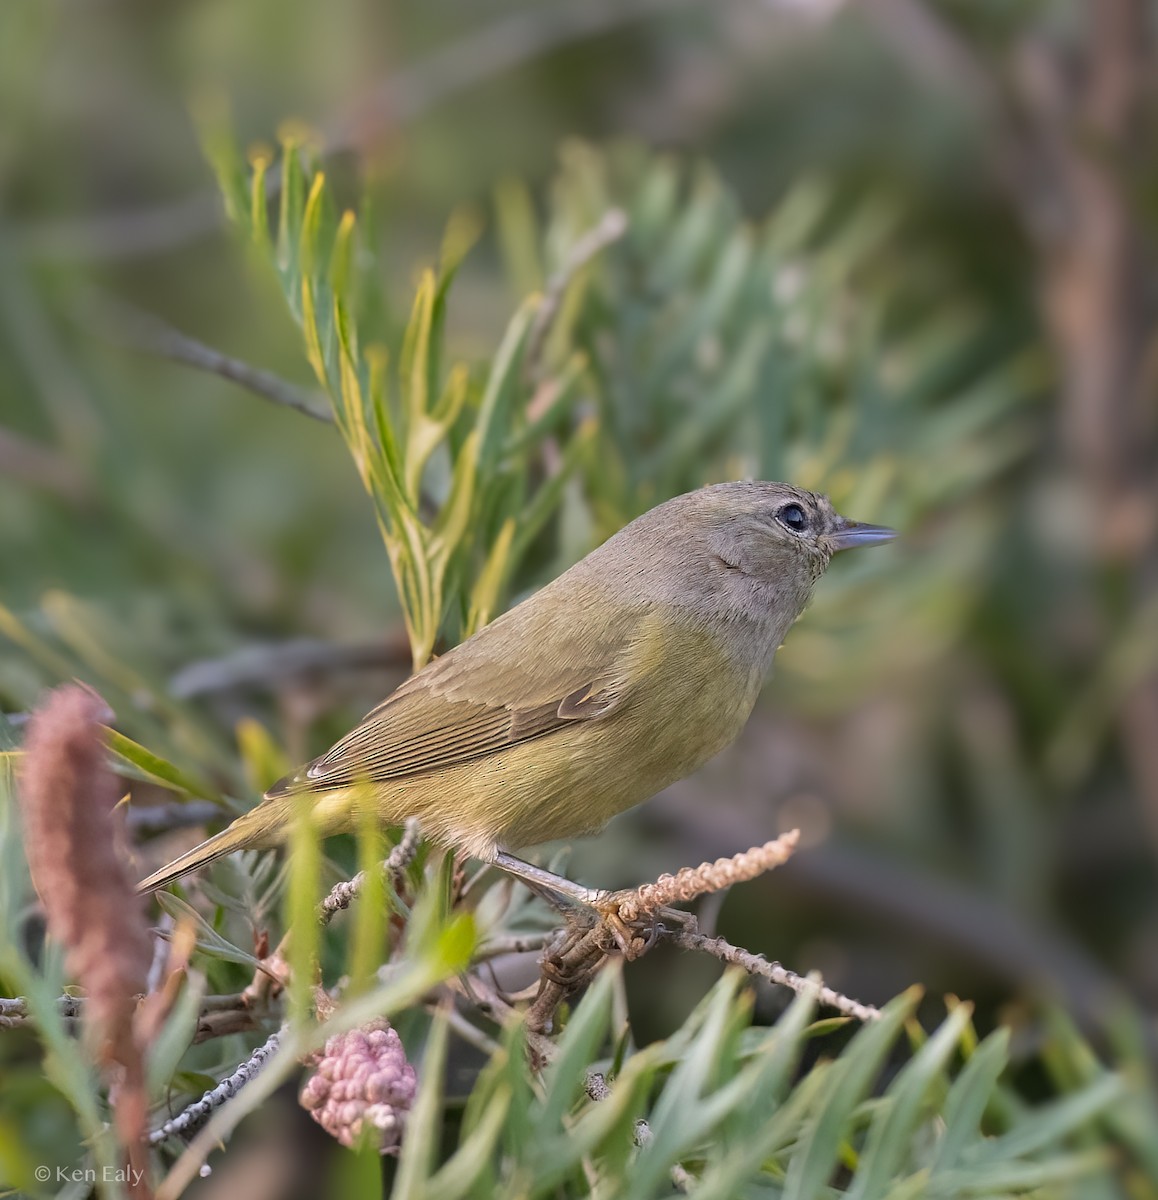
(67,797)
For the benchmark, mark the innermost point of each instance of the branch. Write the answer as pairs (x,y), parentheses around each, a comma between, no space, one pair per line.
(609,229)
(515,943)
(14,1011)
(160,818)
(265,665)
(628,919)
(219,1015)
(342,894)
(150,335)
(757,964)
(689,883)
(191,1118)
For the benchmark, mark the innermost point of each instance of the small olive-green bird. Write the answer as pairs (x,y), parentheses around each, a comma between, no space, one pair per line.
(623,675)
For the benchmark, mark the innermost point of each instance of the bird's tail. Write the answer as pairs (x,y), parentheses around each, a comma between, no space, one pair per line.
(257,828)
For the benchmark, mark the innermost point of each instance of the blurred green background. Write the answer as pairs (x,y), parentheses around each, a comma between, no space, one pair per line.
(965,725)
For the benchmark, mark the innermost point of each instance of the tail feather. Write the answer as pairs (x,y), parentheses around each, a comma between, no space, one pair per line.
(248,831)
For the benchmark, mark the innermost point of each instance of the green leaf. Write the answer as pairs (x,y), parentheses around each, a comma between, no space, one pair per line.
(549,496)
(456,944)
(218,144)
(681,1114)
(423,1125)
(471,1162)
(519,235)
(611,1119)
(585,1032)
(144,764)
(176,1036)
(749,1139)
(895,1123)
(848,1080)
(491,580)
(209,941)
(71,1073)
(264,760)
(290,219)
(1004,1178)
(502,386)
(968,1098)
(367,947)
(1050,1124)
(34,646)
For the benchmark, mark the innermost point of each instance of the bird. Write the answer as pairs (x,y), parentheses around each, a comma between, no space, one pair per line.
(621,676)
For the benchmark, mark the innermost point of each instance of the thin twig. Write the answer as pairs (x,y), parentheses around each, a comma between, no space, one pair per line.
(757,964)
(233,1012)
(488,1000)
(469,1032)
(689,883)
(341,895)
(512,943)
(265,665)
(609,229)
(195,1115)
(14,1011)
(148,334)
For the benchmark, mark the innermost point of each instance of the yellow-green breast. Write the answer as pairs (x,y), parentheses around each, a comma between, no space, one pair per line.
(690,698)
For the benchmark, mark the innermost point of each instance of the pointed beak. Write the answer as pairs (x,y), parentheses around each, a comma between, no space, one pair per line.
(847,535)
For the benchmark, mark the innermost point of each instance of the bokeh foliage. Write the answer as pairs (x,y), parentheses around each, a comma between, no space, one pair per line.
(827,286)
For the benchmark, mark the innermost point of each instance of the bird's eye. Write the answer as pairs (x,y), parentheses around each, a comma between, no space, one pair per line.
(793,517)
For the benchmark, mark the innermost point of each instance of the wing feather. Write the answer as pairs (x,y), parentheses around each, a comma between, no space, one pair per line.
(487,695)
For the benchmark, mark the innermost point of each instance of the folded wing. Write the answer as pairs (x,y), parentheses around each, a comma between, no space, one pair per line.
(522,677)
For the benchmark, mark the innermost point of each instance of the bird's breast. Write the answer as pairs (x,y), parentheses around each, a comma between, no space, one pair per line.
(689,699)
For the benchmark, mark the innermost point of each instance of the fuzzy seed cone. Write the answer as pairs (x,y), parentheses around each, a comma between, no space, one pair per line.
(67,798)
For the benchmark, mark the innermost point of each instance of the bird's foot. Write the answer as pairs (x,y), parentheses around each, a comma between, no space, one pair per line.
(633,928)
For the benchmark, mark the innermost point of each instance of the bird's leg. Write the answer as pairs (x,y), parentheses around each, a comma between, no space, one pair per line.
(561,893)
(632,937)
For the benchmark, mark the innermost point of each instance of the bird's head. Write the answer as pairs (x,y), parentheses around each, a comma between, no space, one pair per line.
(767,530)
(754,547)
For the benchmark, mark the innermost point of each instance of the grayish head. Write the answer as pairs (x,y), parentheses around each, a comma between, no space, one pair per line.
(746,551)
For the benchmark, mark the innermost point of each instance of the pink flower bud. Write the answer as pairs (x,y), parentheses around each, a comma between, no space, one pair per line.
(362,1081)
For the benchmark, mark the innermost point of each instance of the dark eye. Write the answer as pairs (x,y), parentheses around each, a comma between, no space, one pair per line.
(794,517)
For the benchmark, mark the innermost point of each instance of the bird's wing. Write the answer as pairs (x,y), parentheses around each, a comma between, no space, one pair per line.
(521,677)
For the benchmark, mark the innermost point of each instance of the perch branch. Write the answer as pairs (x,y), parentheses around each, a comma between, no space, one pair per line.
(629,920)
(517,943)
(757,964)
(14,1011)
(689,883)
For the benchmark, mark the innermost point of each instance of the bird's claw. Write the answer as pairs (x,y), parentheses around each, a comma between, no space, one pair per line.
(634,936)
